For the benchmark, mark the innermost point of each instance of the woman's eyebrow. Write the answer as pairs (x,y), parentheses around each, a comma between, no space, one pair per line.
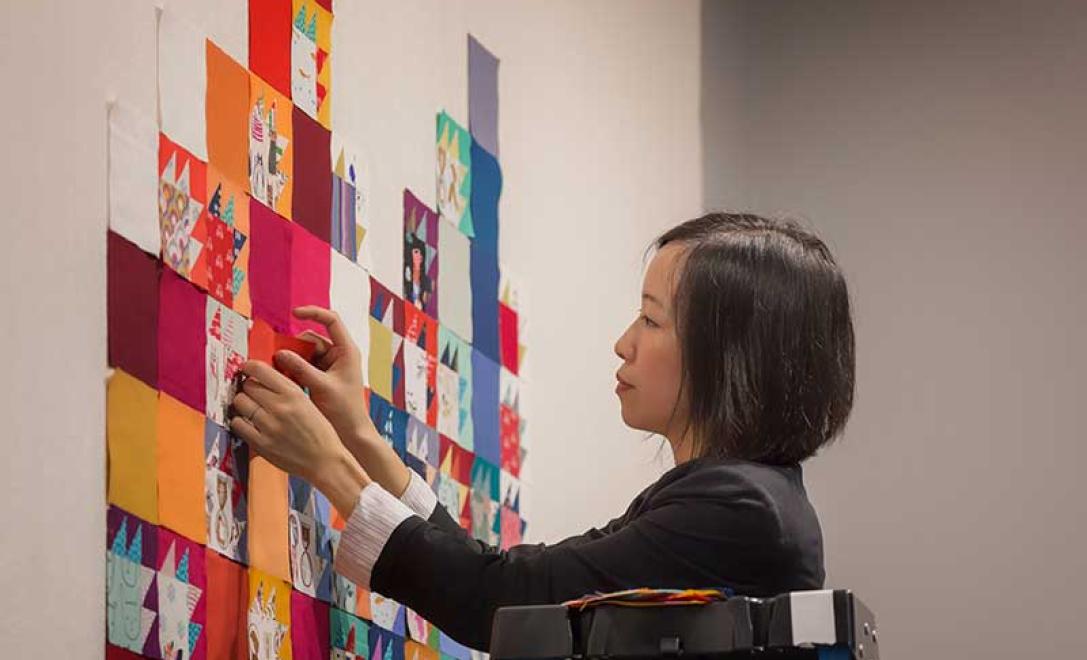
(653,299)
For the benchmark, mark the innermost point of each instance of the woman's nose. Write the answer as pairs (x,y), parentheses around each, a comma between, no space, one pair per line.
(622,346)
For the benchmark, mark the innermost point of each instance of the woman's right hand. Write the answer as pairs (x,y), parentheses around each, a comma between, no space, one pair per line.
(334,381)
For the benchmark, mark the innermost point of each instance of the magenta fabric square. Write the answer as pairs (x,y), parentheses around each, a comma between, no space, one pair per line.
(270,239)
(311,263)
(181,339)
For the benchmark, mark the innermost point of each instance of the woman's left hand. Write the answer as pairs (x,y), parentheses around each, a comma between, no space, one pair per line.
(276,418)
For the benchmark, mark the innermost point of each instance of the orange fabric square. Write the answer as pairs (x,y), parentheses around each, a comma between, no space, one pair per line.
(271,147)
(181,469)
(268,512)
(227,111)
(227,599)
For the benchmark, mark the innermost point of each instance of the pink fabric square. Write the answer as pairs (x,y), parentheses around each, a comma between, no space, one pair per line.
(311,263)
(309,628)
(181,339)
(270,266)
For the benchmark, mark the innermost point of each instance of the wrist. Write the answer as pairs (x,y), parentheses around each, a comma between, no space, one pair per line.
(342,481)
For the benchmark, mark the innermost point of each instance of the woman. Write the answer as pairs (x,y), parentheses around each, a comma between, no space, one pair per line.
(741,356)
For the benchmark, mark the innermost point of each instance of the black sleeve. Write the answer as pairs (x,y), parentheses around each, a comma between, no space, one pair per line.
(682,540)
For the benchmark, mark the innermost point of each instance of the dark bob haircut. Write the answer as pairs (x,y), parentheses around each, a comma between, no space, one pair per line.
(763,320)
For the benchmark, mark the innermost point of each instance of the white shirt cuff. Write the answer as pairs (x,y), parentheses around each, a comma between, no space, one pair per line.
(376,516)
(419,497)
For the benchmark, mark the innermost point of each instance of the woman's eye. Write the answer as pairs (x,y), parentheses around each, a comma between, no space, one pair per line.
(648,321)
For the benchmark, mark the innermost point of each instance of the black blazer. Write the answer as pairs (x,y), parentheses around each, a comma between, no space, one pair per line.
(705,523)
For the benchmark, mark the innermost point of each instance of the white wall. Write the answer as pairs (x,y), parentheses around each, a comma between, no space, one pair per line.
(600,146)
(939,148)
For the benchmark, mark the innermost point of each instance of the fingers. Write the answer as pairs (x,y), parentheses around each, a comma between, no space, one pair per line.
(298,369)
(328,318)
(245,406)
(246,431)
(322,345)
(267,376)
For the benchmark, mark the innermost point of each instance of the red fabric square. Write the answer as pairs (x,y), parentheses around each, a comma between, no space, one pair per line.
(270,42)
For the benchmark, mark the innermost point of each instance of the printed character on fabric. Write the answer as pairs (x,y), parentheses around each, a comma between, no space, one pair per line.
(226,492)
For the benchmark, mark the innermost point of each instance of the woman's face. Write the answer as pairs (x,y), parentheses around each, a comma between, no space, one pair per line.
(649,378)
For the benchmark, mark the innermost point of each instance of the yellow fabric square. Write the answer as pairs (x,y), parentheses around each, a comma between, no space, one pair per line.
(181,469)
(131,409)
(381,359)
(269,616)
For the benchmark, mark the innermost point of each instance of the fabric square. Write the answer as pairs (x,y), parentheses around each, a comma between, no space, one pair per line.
(269,617)
(306,534)
(227,114)
(420,255)
(311,40)
(482,96)
(455,357)
(264,341)
(507,337)
(391,422)
(510,490)
(182,82)
(484,278)
(453,649)
(454,173)
(419,651)
(181,582)
(133,308)
(387,614)
(350,194)
(228,243)
(310,628)
(422,442)
(511,295)
(484,501)
(182,340)
(349,296)
(133,181)
(511,528)
(226,484)
(118,653)
(485,408)
(182,206)
(226,352)
(385,644)
(386,307)
(509,423)
(227,598)
(420,365)
(486,191)
(270,42)
(312,175)
(131,414)
(350,635)
(456,461)
(310,268)
(455,283)
(268,514)
(271,238)
(180,462)
(131,594)
(271,158)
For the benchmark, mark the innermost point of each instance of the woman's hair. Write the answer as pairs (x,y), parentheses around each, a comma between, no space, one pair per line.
(763,321)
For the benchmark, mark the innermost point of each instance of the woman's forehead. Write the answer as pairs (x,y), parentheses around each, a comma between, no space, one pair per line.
(660,275)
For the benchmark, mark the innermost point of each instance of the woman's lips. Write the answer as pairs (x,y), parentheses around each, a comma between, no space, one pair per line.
(622,386)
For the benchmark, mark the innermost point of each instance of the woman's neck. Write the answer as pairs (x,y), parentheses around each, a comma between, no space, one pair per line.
(682,446)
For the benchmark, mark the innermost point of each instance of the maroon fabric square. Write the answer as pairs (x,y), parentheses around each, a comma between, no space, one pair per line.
(133,309)
(311,205)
